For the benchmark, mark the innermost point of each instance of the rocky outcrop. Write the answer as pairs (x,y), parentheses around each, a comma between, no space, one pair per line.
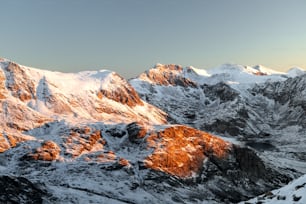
(232,127)
(231,172)
(82,140)
(19,83)
(49,151)
(3,90)
(136,132)
(181,150)
(4,143)
(167,75)
(220,91)
(10,138)
(123,94)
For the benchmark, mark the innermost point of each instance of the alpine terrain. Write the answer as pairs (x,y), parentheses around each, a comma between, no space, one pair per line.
(171,135)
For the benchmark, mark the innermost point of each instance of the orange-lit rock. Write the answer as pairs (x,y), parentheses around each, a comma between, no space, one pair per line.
(125,95)
(4,144)
(107,157)
(100,94)
(10,138)
(21,117)
(167,75)
(104,109)
(49,151)
(120,91)
(181,150)
(3,90)
(124,162)
(260,74)
(82,140)
(19,85)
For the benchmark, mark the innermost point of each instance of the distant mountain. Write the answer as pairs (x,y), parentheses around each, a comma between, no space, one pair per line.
(93,137)
(254,106)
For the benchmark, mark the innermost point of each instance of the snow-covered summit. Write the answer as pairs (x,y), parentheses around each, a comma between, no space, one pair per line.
(295,71)
(231,74)
(170,74)
(79,95)
(265,70)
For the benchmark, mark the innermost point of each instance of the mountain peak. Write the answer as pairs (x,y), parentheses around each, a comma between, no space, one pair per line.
(170,74)
(295,71)
(265,70)
(174,67)
(3,59)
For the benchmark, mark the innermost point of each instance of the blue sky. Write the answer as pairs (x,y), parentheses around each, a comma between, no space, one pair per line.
(130,36)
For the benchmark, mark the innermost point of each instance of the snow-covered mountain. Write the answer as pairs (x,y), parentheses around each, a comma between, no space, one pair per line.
(31,98)
(93,137)
(256,106)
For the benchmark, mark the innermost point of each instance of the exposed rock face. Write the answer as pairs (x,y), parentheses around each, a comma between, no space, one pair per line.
(136,132)
(19,190)
(18,82)
(167,75)
(48,151)
(290,93)
(82,140)
(181,151)
(220,91)
(3,90)
(4,143)
(10,139)
(130,96)
(124,94)
(188,153)
(232,127)
(250,163)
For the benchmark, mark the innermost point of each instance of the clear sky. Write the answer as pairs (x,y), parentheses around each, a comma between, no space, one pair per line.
(130,36)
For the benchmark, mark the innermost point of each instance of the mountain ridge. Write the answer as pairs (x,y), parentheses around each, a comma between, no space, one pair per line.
(51,130)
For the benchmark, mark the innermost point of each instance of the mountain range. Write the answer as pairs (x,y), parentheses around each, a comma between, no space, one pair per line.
(170,135)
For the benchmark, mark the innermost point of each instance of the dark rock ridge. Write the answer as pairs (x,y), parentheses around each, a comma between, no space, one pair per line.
(20,190)
(220,91)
